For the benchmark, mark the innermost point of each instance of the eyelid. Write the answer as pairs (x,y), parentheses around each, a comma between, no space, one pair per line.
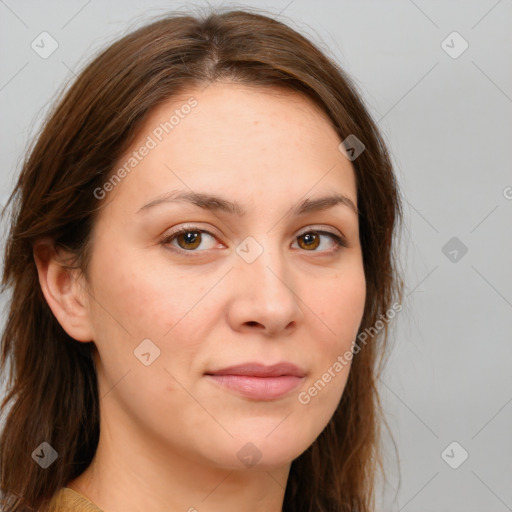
(187,227)
(321,229)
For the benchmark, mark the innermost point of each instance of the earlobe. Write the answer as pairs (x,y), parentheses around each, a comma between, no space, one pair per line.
(64,290)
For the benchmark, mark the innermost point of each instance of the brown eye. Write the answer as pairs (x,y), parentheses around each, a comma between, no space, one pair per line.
(189,239)
(310,241)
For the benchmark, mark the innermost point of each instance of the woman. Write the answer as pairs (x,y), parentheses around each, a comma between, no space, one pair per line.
(202,277)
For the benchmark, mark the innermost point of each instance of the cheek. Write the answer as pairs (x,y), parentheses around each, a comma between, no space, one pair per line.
(147,301)
(137,301)
(340,307)
(339,304)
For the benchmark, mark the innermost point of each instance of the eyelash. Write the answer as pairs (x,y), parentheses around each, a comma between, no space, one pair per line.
(339,241)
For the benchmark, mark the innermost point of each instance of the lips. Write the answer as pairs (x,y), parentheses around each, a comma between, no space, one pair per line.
(261,370)
(258,381)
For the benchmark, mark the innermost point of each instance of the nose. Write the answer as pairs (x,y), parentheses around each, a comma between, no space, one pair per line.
(264,296)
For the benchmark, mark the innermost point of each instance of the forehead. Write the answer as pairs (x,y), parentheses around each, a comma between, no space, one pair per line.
(237,140)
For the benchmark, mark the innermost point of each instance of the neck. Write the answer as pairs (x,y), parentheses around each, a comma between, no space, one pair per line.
(132,472)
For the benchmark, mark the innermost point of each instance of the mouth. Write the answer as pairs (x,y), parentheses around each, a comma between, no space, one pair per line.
(257,381)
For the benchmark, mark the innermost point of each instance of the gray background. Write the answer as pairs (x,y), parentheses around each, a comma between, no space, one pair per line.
(447,121)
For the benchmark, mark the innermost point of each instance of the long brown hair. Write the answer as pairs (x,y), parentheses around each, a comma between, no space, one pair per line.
(52,390)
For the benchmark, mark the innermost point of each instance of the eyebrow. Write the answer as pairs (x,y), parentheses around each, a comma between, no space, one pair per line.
(217,203)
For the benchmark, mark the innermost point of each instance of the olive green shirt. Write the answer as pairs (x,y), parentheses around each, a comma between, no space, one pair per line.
(68,500)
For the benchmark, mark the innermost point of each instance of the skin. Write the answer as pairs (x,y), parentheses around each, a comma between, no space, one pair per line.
(170,437)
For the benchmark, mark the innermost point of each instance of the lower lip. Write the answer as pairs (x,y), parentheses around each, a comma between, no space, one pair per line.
(258,388)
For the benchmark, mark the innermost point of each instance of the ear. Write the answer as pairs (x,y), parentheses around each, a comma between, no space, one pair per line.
(64,290)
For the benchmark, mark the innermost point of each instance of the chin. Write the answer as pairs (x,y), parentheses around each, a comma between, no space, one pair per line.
(262,451)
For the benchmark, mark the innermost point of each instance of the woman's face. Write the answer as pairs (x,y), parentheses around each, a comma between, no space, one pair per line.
(256,278)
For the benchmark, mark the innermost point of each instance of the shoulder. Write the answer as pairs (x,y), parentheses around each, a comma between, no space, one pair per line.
(68,500)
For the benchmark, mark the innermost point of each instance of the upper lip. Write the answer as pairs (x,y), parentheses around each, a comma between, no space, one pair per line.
(261,370)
